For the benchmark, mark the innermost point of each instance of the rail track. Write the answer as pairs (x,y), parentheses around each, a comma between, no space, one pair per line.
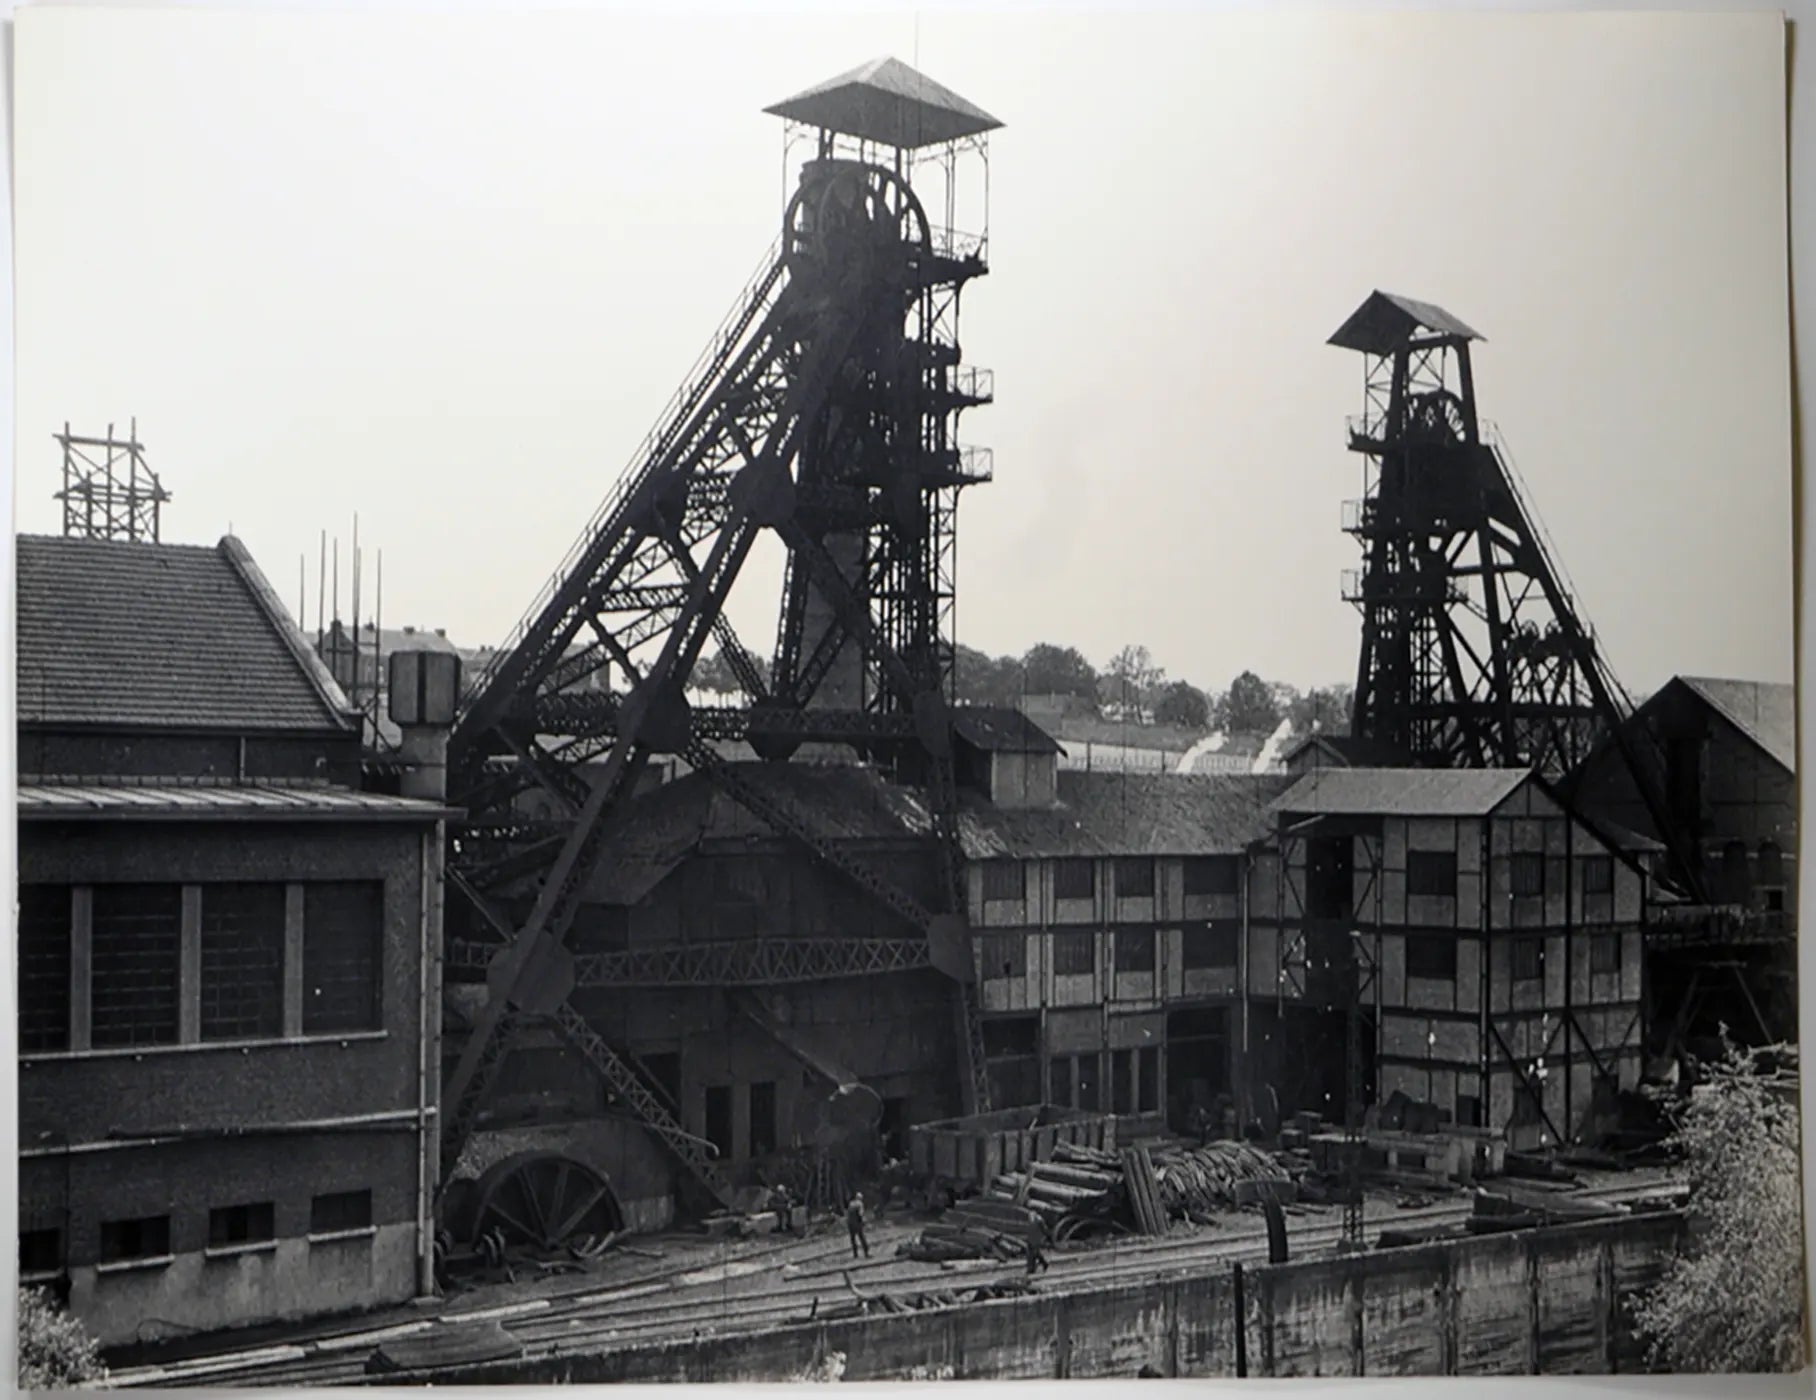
(712,1289)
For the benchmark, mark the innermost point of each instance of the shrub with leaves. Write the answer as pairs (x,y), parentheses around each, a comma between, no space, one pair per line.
(1732,1300)
(55,1352)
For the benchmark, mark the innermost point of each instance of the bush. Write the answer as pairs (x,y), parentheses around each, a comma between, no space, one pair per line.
(1732,1298)
(55,1351)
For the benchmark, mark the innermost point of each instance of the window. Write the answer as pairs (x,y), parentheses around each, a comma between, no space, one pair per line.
(137,939)
(44,926)
(1012,1060)
(1072,1081)
(1210,945)
(1526,873)
(1074,953)
(718,1118)
(1122,1081)
(1605,952)
(1074,879)
(145,1238)
(1134,878)
(762,1118)
(1004,954)
(40,1253)
(1528,959)
(1431,955)
(1211,875)
(1147,1079)
(339,1212)
(1002,879)
(343,932)
(242,961)
(1469,1111)
(1134,950)
(1432,874)
(1011,1035)
(254,1223)
(1598,875)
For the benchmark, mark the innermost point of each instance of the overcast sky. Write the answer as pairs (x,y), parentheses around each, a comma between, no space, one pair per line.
(446,271)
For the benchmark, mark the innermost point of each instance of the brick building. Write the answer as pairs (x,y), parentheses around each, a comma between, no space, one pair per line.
(228,972)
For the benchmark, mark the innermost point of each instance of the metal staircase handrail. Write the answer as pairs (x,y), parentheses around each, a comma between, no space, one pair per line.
(673,414)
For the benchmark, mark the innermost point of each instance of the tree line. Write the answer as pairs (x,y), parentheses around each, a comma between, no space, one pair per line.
(1129,687)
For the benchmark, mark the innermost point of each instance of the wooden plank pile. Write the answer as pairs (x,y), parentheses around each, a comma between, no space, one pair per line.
(1515,1208)
(1143,1187)
(980,1228)
(1195,1181)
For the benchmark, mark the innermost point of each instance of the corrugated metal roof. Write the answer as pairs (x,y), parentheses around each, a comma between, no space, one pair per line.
(1764,711)
(200,801)
(120,633)
(1401,792)
(1002,730)
(1385,322)
(885,100)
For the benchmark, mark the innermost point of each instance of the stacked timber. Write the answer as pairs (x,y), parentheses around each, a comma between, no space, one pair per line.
(980,1228)
(1080,1191)
(1514,1208)
(1143,1186)
(1195,1181)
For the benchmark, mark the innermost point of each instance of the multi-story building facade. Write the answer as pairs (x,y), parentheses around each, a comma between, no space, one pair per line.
(228,958)
(1498,937)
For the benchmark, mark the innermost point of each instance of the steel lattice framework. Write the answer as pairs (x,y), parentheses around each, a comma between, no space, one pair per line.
(1473,653)
(823,412)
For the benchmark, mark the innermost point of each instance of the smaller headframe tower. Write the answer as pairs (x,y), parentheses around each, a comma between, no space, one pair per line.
(1472,651)
(108,491)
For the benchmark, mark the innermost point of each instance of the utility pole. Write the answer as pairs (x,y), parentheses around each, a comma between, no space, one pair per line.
(1364,963)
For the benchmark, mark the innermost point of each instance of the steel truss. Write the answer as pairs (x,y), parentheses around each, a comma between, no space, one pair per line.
(1473,652)
(824,411)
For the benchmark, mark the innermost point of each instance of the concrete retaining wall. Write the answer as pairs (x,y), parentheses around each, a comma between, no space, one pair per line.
(1543,1302)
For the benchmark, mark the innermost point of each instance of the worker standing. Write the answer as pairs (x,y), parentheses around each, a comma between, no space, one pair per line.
(781,1200)
(1037,1259)
(854,1223)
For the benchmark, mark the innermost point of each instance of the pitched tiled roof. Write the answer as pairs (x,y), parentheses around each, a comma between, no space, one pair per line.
(118,633)
(1350,750)
(1766,713)
(1002,730)
(1401,792)
(1098,814)
(1105,814)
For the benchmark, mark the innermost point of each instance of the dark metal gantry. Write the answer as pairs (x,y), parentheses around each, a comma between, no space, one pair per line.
(1473,653)
(824,412)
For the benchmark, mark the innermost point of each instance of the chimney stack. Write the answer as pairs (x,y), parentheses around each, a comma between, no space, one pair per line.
(424,689)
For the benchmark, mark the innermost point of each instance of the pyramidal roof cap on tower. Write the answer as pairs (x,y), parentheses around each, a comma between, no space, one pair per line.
(1385,322)
(887,101)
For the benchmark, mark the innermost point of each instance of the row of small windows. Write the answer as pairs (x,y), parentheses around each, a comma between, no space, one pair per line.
(1132,878)
(1133,950)
(117,954)
(1214,946)
(1433,874)
(146,1239)
(1434,956)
